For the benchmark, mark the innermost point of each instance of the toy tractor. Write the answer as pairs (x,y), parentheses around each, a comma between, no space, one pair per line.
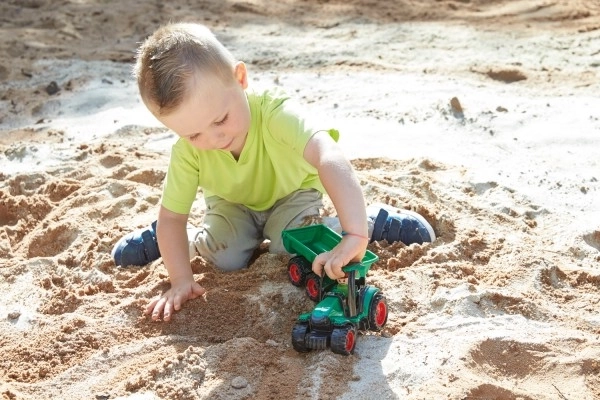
(342,308)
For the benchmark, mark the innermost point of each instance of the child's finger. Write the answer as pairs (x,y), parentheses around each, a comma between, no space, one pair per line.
(150,306)
(176,303)
(168,310)
(158,308)
(197,290)
(333,268)
(319,263)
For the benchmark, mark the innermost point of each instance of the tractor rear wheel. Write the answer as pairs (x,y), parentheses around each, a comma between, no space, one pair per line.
(378,312)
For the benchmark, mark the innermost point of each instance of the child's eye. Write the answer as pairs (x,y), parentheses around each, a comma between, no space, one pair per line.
(221,122)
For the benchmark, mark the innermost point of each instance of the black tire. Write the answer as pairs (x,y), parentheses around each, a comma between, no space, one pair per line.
(343,340)
(298,269)
(378,312)
(299,333)
(313,287)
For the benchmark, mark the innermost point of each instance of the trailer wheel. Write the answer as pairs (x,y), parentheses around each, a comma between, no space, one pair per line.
(378,312)
(299,333)
(298,269)
(313,287)
(343,340)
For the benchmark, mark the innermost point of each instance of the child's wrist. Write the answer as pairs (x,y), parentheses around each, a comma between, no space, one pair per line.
(344,233)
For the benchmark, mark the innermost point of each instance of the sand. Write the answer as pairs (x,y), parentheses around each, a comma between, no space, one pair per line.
(481,115)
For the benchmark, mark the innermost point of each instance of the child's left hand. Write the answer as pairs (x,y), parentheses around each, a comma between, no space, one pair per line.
(351,248)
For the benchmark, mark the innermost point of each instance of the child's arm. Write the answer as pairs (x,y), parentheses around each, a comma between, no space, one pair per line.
(342,185)
(173,243)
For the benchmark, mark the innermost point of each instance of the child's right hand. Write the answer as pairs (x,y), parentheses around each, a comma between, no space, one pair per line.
(173,299)
(351,248)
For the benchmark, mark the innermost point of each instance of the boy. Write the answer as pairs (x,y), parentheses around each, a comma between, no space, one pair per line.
(262,167)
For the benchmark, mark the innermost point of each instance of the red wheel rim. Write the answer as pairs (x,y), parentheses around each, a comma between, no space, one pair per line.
(380,314)
(350,340)
(312,289)
(294,272)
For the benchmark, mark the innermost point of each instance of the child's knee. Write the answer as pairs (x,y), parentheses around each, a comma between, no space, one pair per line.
(229,260)
(276,247)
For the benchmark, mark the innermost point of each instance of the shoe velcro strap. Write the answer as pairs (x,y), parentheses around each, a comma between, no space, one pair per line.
(379,225)
(150,245)
(393,234)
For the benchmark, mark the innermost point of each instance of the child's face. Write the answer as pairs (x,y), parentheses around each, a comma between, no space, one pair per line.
(216,116)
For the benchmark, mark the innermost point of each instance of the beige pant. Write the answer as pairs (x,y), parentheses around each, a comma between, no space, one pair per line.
(231,232)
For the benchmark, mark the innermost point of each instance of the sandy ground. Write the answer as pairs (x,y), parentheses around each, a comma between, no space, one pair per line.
(505,304)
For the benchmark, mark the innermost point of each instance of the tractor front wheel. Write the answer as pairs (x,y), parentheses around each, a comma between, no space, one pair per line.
(343,340)
(299,333)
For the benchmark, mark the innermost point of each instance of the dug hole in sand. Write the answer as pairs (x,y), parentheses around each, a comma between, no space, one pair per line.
(482,116)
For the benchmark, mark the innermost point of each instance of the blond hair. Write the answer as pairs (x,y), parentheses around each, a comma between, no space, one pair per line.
(171,55)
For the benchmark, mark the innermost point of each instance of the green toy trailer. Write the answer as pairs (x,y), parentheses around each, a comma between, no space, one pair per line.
(342,308)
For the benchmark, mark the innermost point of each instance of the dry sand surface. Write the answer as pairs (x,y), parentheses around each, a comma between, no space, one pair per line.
(505,304)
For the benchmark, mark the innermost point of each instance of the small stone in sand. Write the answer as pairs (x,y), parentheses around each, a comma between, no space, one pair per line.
(239,382)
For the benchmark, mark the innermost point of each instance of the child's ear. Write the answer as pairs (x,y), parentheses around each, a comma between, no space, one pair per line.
(241,74)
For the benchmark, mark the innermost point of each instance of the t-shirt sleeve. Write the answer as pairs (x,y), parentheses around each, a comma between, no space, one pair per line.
(181,182)
(292,126)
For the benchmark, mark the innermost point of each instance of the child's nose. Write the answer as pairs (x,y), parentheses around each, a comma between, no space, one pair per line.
(217,137)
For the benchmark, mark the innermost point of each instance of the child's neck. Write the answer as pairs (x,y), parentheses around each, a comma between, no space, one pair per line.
(237,153)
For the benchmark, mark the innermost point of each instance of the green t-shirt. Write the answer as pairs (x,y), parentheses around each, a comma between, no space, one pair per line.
(270,167)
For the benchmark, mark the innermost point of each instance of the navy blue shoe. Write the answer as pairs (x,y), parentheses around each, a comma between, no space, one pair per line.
(403,226)
(139,247)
